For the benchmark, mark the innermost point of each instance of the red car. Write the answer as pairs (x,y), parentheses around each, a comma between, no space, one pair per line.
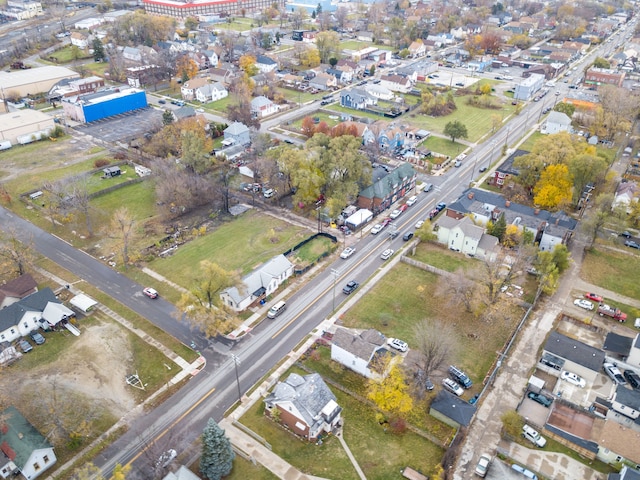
(402,208)
(386,221)
(594,297)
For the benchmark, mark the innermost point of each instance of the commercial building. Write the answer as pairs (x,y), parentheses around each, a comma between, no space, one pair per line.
(199,8)
(32,81)
(107,103)
(23,126)
(529,86)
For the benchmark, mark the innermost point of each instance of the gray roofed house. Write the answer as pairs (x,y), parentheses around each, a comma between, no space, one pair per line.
(359,351)
(239,133)
(556,122)
(452,410)
(573,355)
(627,402)
(184,112)
(549,229)
(634,353)
(261,107)
(305,404)
(25,450)
(627,473)
(258,284)
(506,168)
(617,345)
(462,235)
(20,318)
(357,98)
(266,64)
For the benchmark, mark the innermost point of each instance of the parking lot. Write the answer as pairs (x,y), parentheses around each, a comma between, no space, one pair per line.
(124,128)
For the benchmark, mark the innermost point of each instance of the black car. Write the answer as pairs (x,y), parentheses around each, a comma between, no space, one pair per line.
(541,399)
(350,287)
(407,236)
(441,206)
(625,234)
(162,102)
(632,244)
(482,169)
(632,378)
(36,337)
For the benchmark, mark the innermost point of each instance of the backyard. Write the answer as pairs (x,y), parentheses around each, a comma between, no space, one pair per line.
(615,271)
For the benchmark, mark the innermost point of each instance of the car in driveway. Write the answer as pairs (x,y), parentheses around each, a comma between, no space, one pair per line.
(614,373)
(150,292)
(582,303)
(376,229)
(398,344)
(25,346)
(632,244)
(541,399)
(347,252)
(533,436)
(625,234)
(395,214)
(452,386)
(37,337)
(350,287)
(632,378)
(386,255)
(573,379)
(594,297)
(483,465)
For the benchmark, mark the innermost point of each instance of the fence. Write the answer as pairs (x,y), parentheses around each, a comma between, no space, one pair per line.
(300,271)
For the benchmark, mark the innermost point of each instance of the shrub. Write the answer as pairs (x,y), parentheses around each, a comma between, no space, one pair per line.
(398,425)
(101,162)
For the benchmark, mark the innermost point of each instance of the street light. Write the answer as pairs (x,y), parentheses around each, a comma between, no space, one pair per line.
(335,274)
(236,362)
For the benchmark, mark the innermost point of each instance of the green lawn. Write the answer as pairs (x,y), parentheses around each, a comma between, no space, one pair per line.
(443,146)
(241,244)
(531,141)
(237,24)
(296,95)
(65,55)
(355,113)
(615,271)
(220,105)
(312,251)
(358,45)
(97,68)
(321,116)
(140,198)
(443,258)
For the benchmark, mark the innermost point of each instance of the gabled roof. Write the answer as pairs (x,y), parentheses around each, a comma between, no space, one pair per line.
(236,128)
(386,184)
(257,280)
(619,440)
(559,118)
(361,345)
(260,101)
(19,287)
(20,438)
(453,407)
(507,166)
(628,397)
(575,351)
(617,344)
(195,83)
(264,60)
(36,302)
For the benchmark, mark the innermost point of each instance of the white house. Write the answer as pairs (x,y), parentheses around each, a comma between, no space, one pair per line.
(266,64)
(80,40)
(625,194)
(15,290)
(466,237)
(417,49)
(379,92)
(556,122)
(263,107)
(189,88)
(396,83)
(361,352)
(258,284)
(211,92)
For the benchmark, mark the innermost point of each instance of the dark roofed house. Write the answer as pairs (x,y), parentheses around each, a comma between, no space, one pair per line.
(452,410)
(16,289)
(25,451)
(564,353)
(627,473)
(359,351)
(627,402)
(357,99)
(393,186)
(617,345)
(306,405)
(506,168)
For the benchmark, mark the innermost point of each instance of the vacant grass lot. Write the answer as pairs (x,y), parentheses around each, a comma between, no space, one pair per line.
(242,244)
(220,105)
(310,252)
(66,54)
(330,119)
(443,146)
(615,271)
(443,258)
(297,96)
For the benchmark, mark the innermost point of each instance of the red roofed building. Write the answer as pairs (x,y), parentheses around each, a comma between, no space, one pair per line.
(604,76)
(180,9)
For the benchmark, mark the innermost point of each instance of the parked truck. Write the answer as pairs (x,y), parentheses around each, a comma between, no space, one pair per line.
(615,313)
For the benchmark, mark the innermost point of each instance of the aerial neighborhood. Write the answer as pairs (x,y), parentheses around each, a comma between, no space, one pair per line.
(333,240)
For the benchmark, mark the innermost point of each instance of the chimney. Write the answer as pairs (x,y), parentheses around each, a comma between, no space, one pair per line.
(470,195)
(557,220)
(507,204)
(536,211)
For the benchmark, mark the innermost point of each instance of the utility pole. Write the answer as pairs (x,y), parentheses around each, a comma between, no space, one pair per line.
(335,274)
(236,361)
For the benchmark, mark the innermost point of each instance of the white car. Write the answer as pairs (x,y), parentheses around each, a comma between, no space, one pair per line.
(377,228)
(614,373)
(533,436)
(572,378)
(395,214)
(582,303)
(452,386)
(483,465)
(347,252)
(398,344)
(412,200)
(386,255)
(418,224)
(166,458)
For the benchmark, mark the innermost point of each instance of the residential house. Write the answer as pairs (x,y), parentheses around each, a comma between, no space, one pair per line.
(189,88)
(200,59)
(626,193)
(506,169)
(396,83)
(132,55)
(27,453)
(408,72)
(357,98)
(556,122)
(258,284)
(341,76)
(183,112)
(140,76)
(378,91)
(365,36)
(417,49)
(223,75)
(80,40)
(211,92)
(350,67)
(627,402)
(183,473)
(212,58)
(388,136)
(15,290)
(306,406)
(323,81)
(564,353)
(526,89)
(238,133)
(452,410)
(361,352)
(617,444)
(462,235)
(262,107)
(548,229)
(627,473)
(604,76)
(266,64)
(388,190)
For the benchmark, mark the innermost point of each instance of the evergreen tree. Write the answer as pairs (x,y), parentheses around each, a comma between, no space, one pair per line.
(167,117)
(217,456)
(499,228)
(98,50)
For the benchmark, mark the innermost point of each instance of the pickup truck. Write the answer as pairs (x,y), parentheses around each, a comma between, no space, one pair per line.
(615,313)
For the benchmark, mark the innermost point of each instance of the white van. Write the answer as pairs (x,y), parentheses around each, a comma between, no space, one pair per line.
(277,309)
(533,436)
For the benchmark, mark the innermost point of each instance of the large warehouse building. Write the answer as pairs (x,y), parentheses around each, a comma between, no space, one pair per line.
(24,126)
(196,8)
(107,103)
(32,81)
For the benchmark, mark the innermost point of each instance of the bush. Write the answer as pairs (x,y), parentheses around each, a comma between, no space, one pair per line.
(398,425)
(101,162)
(57,132)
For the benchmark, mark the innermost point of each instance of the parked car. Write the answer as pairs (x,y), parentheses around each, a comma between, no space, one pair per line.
(162,102)
(625,234)
(166,458)
(541,399)
(395,214)
(376,229)
(386,254)
(614,373)
(37,337)
(632,244)
(572,378)
(418,224)
(593,296)
(150,292)
(347,252)
(483,465)
(407,236)
(386,221)
(412,200)
(524,471)
(582,303)
(482,169)
(403,208)
(350,287)
(452,386)
(397,344)
(533,436)
(441,206)
(433,213)
(632,378)
(25,346)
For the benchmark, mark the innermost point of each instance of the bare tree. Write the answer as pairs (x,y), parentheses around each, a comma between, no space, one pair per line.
(15,255)
(123,232)
(81,201)
(435,342)
(460,288)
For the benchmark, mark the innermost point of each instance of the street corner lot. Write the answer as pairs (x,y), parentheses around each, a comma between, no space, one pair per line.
(124,128)
(451,79)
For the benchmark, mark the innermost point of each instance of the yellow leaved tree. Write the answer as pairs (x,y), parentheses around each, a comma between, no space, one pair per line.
(554,189)
(391,394)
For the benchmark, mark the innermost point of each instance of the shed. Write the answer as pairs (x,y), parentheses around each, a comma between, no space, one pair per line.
(359,218)
(83,302)
(536,383)
(111,171)
(412,474)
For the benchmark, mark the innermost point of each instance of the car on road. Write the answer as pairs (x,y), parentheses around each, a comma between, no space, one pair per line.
(582,303)
(533,436)
(632,378)
(419,224)
(162,102)
(483,465)
(37,337)
(395,214)
(25,346)
(386,221)
(150,292)
(573,379)
(482,169)
(350,287)
(412,200)
(376,229)
(166,458)
(394,233)
(347,252)
(386,255)
(594,297)
(541,399)
(407,236)
(398,344)
(632,244)
(452,386)
(614,373)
